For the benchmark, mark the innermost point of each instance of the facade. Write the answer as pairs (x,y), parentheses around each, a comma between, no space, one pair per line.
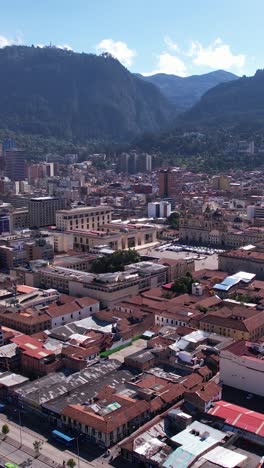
(19,218)
(4,223)
(238,323)
(106,288)
(73,311)
(42,210)
(15,164)
(242,366)
(83,218)
(177,268)
(248,259)
(159,209)
(170,182)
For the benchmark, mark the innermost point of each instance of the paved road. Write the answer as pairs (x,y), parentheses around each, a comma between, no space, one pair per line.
(28,436)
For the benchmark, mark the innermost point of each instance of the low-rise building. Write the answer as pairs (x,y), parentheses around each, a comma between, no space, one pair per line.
(248,259)
(238,323)
(83,218)
(242,366)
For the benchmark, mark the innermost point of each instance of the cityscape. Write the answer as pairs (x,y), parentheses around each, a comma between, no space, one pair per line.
(131,259)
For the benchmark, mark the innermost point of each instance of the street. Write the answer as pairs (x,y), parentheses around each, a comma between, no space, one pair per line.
(49,455)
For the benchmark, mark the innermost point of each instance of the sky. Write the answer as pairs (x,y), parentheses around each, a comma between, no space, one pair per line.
(180,37)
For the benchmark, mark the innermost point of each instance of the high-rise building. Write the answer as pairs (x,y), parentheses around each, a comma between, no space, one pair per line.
(134,162)
(42,210)
(144,163)
(170,182)
(123,162)
(15,167)
(4,223)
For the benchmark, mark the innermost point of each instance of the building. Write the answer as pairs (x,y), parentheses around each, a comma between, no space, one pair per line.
(242,366)
(170,182)
(109,419)
(4,224)
(15,164)
(42,210)
(83,218)
(177,268)
(249,259)
(32,310)
(108,288)
(238,323)
(36,359)
(240,420)
(160,209)
(221,182)
(203,398)
(192,443)
(134,162)
(19,219)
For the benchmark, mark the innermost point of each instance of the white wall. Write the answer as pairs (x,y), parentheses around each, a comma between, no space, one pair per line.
(241,373)
(77,315)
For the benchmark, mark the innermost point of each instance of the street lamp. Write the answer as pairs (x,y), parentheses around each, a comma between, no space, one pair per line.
(78,451)
(20,426)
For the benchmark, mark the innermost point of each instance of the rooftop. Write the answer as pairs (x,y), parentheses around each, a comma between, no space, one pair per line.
(239,417)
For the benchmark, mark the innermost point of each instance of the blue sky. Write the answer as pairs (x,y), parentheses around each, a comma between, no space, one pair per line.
(181,37)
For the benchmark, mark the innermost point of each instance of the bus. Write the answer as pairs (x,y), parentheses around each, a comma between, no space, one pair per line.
(62,438)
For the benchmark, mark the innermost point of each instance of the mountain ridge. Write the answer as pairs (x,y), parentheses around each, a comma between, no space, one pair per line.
(184,92)
(54,92)
(239,102)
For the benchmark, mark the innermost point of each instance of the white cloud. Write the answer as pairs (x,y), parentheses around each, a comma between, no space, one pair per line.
(64,46)
(169,64)
(170,44)
(5,41)
(118,49)
(216,55)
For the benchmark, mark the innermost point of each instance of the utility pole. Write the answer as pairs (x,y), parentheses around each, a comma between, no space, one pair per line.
(78,451)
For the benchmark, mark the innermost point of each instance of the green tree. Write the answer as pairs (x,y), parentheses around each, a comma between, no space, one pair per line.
(5,429)
(173,220)
(183,284)
(71,463)
(114,262)
(37,446)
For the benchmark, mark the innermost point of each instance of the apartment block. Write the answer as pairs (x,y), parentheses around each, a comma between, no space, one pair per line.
(83,218)
(42,210)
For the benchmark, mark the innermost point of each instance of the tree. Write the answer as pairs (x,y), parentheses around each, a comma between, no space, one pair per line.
(114,262)
(173,220)
(183,284)
(71,463)
(37,446)
(5,430)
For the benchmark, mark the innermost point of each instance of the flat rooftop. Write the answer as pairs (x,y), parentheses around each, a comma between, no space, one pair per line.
(85,209)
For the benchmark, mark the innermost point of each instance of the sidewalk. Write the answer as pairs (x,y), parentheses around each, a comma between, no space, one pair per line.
(8,441)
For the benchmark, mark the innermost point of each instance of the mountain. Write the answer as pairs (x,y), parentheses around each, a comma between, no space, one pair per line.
(233,104)
(185,92)
(63,94)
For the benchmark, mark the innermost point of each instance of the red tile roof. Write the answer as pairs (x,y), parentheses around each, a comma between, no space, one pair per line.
(239,417)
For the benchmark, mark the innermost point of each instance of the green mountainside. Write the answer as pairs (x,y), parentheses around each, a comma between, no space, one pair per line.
(184,92)
(239,103)
(67,95)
